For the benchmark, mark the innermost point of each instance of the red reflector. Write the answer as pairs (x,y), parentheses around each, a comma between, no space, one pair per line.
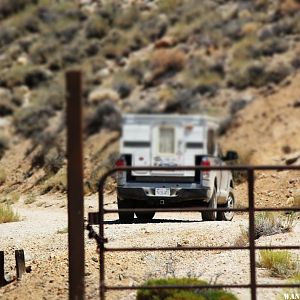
(205,163)
(120,163)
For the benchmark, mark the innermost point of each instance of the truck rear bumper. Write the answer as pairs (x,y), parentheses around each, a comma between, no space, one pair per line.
(146,196)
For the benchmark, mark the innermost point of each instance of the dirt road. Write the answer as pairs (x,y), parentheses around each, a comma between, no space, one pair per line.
(39,234)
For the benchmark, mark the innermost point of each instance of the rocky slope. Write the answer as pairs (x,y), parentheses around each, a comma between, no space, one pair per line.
(238,60)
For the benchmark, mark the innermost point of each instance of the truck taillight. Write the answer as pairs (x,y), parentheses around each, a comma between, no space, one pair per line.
(121,162)
(121,175)
(205,163)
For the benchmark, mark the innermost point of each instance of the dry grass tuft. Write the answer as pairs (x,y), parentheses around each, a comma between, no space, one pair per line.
(7,214)
(281,263)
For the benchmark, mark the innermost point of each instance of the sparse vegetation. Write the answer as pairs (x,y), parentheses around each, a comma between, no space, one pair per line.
(2,176)
(3,146)
(281,263)
(32,120)
(62,231)
(56,183)
(7,214)
(97,27)
(242,239)
(269,223)
(31,198)
(176,294)
(11,198)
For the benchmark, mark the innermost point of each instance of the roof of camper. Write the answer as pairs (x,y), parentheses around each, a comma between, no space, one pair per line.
(128,118)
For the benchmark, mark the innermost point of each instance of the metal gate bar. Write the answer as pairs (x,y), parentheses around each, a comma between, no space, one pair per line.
(251,211)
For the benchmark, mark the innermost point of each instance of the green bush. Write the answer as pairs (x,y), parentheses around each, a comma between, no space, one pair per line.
(181,294)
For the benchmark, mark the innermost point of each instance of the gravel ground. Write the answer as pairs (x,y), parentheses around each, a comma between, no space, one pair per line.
(46,252)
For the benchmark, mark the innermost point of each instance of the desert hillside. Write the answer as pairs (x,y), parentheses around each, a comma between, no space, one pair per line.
(237,60)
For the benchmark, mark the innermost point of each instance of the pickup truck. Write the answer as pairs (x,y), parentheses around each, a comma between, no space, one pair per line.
(173,140)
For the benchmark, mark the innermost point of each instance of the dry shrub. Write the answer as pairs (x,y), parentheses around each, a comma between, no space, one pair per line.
(7,214)
(97,27)
(243,239)
(30,199)
(268,223)
(167,61)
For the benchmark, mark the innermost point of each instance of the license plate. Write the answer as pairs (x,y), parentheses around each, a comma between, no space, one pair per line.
(162,192)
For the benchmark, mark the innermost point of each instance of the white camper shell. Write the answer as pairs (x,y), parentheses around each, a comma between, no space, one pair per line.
(167,140)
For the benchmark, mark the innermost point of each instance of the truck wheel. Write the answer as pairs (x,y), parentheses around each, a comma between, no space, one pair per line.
(145,216)
(125,217)
(211,215)
(227,215)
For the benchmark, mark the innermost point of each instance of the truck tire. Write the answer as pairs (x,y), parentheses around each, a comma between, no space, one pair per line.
(125,217)
(145,216)
(227,216)
(211,215)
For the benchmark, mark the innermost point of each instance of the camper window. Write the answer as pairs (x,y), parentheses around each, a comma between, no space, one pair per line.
(166,140)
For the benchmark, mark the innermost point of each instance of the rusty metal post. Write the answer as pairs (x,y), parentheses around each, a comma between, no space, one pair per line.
(75,185)
(101,233)
(20,263)
(252,232)
(2,278)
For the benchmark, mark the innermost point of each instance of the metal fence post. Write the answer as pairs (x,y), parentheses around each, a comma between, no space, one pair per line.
(20,263)
(101,248)
(252,232)
(75,185)
(2,278)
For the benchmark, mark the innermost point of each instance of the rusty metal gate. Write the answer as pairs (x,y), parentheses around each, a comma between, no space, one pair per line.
(98,218)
